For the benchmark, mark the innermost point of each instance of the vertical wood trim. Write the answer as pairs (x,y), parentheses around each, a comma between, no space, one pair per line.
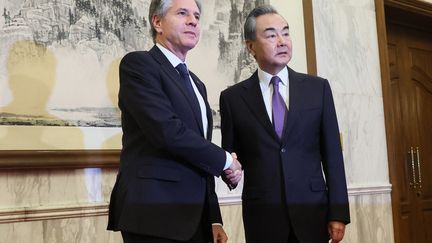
(386,89)
(310,37)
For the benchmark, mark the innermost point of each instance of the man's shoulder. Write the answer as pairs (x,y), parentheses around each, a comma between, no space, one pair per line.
(236,88)
(304,76)
(244,84)
(136,55)
(140,60)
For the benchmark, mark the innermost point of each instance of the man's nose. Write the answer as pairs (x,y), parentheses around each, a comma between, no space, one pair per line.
(192,20)
(281,40)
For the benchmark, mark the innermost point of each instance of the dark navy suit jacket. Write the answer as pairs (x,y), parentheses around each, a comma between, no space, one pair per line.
(283,178)
(165,182)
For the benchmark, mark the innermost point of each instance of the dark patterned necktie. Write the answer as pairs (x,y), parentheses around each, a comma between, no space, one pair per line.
(279,109)
(185,80)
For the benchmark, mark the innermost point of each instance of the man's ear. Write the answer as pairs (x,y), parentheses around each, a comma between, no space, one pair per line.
(157,23)
(251,47)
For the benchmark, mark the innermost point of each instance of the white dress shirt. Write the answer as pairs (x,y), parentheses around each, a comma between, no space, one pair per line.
(267,88)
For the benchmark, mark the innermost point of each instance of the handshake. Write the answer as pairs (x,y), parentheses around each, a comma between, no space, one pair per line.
(233,174)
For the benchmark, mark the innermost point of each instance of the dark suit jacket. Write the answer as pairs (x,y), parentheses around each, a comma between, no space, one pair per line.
(283,179)
(165,181)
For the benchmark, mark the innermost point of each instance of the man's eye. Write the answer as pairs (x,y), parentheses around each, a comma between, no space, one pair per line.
(182,13)
(271,36)
(197,17)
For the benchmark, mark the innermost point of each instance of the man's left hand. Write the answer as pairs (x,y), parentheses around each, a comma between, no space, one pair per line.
(219,235)
(336,230)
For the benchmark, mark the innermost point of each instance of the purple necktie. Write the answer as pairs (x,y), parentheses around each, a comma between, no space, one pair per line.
(279,109)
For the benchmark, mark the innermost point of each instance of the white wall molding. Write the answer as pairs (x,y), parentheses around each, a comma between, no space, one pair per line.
(230,199)
(369,189)
(52,212)
(38,213)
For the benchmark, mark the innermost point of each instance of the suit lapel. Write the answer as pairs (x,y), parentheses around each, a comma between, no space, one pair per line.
(255,101)
(295,97)
(201,88)
(166,67)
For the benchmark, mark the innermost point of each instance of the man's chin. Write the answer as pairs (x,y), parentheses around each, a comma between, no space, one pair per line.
(190,44)
(283,59)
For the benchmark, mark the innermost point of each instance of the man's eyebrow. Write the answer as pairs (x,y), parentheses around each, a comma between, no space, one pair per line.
(274,29)
(187,10)
(269,29)
(182,9)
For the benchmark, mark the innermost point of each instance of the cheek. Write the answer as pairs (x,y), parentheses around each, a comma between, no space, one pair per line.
(268,50)
(290,46)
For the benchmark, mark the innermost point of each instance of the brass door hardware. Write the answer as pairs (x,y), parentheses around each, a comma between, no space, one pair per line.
(419,167)
(413,183)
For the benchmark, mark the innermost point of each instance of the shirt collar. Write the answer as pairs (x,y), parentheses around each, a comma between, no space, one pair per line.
(172,58)
(265,77)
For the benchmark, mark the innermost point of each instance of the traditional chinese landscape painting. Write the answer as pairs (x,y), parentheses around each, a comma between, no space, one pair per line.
(59,66)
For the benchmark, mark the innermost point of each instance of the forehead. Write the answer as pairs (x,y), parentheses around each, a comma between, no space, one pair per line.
(266,21)
(184,4)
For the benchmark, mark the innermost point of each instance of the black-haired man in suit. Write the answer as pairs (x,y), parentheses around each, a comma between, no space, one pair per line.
(283,127)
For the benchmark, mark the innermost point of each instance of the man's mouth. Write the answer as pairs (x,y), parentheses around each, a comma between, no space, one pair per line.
(190,33)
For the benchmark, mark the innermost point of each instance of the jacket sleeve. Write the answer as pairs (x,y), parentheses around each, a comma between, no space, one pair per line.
(226,123)
(332,160)
(214,209)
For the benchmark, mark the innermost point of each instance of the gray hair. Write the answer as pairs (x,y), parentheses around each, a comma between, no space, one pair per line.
(160,8)
(250,23)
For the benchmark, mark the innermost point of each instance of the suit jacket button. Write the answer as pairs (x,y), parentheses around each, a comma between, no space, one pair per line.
(283,150)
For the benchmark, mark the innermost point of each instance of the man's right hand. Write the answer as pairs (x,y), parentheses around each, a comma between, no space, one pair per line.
(233,174)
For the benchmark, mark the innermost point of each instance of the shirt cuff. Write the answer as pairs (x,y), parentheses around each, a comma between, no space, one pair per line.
(229,160)
(217,224)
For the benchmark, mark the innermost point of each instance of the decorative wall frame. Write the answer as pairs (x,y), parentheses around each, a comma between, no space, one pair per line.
(59,69)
